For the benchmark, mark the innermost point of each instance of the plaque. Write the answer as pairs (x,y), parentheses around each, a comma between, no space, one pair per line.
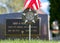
(17,26)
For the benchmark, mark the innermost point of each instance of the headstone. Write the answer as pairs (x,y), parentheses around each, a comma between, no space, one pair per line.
(11,25)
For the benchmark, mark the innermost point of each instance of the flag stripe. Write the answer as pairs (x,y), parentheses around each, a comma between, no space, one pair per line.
(34,7)
(27,3)
(37,3)
(33,4)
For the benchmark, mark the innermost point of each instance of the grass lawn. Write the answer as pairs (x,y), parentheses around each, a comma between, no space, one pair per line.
(26,41)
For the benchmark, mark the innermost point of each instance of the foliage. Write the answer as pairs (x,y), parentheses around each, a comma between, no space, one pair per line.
(13,5)
(55,10)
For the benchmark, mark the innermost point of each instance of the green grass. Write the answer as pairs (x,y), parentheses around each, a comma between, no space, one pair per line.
(26,41)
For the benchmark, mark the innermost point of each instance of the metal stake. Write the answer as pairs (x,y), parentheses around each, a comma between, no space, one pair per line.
(29,32)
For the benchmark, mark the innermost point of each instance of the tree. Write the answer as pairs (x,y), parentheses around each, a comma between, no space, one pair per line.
(54,10)
(12,5)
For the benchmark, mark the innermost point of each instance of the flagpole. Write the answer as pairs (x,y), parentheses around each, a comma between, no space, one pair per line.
(29,32)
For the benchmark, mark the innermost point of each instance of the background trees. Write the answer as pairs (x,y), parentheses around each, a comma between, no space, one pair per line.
(12,5)
(54,10)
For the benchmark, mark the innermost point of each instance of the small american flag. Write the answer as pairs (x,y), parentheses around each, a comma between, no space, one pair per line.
(33,4)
